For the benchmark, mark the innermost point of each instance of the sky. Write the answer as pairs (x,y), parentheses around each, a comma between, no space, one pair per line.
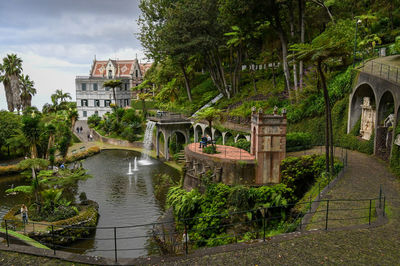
(58,39)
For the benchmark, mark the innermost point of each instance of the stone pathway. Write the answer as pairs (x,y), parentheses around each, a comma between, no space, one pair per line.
(85,130)
(371,246)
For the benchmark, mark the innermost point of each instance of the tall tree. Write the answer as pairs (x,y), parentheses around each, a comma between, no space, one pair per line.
(10,72)
(27,91)
(31,129)
(334,43)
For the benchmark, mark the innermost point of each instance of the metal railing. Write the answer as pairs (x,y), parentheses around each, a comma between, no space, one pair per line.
(231,228)
(388,72)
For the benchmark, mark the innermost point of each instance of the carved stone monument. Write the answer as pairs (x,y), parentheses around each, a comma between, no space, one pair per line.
(367,119)
(268,144)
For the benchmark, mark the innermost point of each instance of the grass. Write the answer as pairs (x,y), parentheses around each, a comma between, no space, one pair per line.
(24,238)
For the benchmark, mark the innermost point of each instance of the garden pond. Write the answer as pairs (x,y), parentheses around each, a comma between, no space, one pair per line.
(124,201)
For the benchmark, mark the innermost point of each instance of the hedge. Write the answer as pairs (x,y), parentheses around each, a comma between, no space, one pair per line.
(298,141)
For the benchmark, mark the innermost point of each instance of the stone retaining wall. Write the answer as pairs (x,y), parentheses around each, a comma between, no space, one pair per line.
(227,171)
(117,142)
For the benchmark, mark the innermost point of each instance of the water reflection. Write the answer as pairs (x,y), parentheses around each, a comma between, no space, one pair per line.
(123,199)
(9,201)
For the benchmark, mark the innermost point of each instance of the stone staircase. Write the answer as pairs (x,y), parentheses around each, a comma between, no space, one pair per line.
(181,157)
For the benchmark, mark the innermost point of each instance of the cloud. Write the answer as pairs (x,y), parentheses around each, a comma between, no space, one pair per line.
(57,40)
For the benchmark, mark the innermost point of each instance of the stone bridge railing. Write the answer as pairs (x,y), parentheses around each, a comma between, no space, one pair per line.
(388,72)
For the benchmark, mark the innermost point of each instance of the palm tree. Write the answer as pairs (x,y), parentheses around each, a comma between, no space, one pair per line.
(35,165)
(113,84)
(73,116)
(27,91)
(31,128)
(10,72)
(59,95)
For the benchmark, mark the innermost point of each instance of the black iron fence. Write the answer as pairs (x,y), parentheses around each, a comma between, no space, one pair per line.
(391,73)
(183,235)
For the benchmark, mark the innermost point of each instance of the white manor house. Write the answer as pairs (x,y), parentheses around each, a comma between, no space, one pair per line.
(93,98)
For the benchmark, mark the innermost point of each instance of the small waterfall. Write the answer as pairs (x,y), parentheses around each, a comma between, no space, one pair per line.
(147,142)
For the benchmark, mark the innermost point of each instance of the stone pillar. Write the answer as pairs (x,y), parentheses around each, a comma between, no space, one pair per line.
(166,149)
(268,144)
(157,144)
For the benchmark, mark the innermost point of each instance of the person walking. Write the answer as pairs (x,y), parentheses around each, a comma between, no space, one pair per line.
(24,214)
(80,129)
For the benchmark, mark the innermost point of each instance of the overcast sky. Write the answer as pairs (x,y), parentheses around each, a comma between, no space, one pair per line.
(58,39)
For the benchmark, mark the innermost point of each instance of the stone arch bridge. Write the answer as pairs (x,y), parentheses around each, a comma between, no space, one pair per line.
(167,124)
(375,102)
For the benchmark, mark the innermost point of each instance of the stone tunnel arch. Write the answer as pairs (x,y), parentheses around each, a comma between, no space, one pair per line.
(356,100)
(386,107)
(176,141)
(385,124)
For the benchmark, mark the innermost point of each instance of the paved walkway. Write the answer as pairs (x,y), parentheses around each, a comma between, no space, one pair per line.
(225,152)
(375,246)
(83,136)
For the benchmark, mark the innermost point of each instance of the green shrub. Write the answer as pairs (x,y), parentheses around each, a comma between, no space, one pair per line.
(220,199)
(298,141)
(94,120)
(243,144)
(210,149)
(300,173)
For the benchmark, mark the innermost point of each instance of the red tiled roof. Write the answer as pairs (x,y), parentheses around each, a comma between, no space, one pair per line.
(124,68)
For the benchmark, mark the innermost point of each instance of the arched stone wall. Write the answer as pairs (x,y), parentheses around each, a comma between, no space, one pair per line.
(356,99)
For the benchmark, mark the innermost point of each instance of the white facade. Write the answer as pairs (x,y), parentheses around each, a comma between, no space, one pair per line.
(91,95)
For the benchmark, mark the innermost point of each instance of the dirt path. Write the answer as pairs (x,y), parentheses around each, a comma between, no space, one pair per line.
(372,246)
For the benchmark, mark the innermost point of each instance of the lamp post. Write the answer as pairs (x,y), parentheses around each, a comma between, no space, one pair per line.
(355,43)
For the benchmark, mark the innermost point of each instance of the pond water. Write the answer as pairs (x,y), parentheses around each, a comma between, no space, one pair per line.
(124,200)
(9,201)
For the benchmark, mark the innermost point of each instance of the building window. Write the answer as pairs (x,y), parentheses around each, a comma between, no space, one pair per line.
(83,86)
(126,102)
(84,113)
(95,88)
(97,103)
(84,102)
(126,86)
(107,88)
(137,73)
(110,74)
(120,102)
(96,112)
(107,103)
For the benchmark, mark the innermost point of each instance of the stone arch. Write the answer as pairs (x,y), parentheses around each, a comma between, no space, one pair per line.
(216,135)
(226,136)
(182,133)
(356,100)
(207,131)
(197,131)
(180,139)
(240,136)
(386,106)
(385,123)
(160,137)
